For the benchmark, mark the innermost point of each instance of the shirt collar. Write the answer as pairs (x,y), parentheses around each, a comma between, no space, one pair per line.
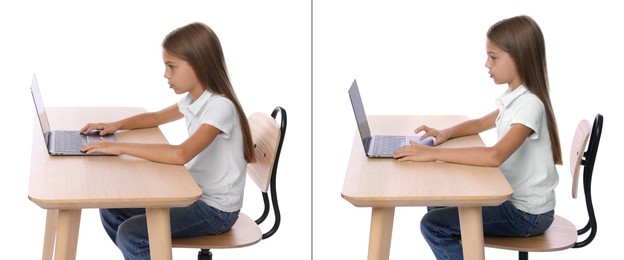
(195,106)
(507,97)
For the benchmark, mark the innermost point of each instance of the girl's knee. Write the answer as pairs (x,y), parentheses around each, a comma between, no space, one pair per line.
(132,231)
(426,224)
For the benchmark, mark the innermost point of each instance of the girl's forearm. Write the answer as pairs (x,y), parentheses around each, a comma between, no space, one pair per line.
(473,126)
(479,156)
(145,120)
(162,153)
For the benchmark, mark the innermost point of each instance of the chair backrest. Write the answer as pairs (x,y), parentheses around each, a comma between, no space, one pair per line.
(581,136)
(579,156)
(268,138)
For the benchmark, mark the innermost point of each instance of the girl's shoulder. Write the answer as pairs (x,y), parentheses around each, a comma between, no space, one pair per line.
(530,104)
(220,101)
(530,98)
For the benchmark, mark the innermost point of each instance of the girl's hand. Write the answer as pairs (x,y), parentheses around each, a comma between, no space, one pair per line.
(103,128)
(414,152)
(438,135)
(102,146)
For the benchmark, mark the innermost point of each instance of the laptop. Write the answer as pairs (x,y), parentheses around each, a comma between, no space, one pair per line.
(61,142)
(381,146)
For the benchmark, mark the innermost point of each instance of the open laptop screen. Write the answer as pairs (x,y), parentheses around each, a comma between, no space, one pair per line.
(41,113)
(360,115)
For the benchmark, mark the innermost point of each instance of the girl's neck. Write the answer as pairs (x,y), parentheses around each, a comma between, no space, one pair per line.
(514,85)
(197,92)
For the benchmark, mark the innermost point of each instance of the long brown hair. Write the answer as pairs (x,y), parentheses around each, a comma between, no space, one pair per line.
(198,45)
(522,38)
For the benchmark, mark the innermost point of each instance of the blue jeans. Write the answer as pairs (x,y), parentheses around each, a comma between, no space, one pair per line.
(440,227)
(128,227)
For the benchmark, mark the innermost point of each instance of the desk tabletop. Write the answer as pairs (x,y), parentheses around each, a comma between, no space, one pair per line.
(105,181)
(375,182)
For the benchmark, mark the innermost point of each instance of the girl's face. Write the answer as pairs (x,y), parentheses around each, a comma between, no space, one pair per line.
(181,76)
(501,66)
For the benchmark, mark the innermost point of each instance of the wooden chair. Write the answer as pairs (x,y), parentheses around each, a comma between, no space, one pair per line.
(562,234)
(268,137)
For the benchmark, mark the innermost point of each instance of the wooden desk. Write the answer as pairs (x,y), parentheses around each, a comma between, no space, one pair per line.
(66,184)
(384,184)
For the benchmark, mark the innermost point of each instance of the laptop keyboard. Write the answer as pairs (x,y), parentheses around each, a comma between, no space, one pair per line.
(68,141)
(387,144)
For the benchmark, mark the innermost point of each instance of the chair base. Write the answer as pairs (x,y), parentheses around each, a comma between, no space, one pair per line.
(523,255)
(204,254)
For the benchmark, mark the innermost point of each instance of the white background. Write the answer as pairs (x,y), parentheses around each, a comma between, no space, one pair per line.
(109,54)
(429,58)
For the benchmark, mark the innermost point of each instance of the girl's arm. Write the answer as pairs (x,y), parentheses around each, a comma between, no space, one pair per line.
(474,126)
(144,120)
(162,153)
(469,127)
(481,156)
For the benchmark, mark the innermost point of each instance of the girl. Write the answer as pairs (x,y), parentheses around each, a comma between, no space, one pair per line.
(216,152)
(527,149)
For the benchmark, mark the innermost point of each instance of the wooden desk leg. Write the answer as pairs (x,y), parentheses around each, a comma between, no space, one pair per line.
(50,234)
(382,220)
(67,234)
(159,233)
(471,225)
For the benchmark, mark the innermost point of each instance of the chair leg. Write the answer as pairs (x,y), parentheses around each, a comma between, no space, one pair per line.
(204,254)
(523,255)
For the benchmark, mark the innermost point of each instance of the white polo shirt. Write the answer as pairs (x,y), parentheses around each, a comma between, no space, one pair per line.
(531,169)
(220,169)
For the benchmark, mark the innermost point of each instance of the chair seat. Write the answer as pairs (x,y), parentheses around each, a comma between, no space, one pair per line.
(561,235)
(244,233)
